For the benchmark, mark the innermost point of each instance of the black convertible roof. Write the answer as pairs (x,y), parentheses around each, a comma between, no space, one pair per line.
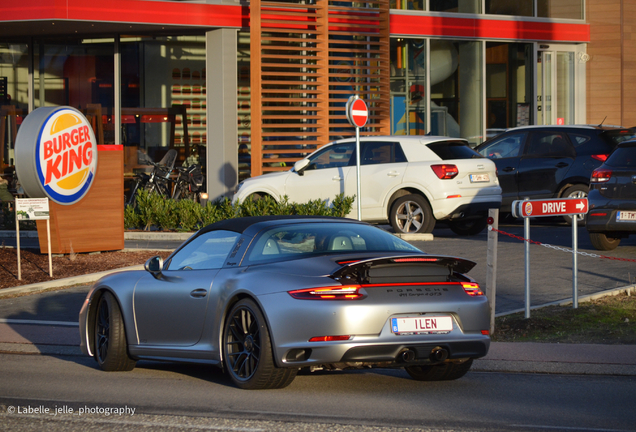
(239,225)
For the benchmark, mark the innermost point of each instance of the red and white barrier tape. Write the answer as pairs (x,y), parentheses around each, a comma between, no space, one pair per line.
(593,255)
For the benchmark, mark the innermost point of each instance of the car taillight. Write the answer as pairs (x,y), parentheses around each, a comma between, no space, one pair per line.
(349,292)
(600,157)
(330,338)
(472,289)
(600,175)
(445,172)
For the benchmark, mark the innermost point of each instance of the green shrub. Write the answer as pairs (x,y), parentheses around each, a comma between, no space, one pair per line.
(185,215)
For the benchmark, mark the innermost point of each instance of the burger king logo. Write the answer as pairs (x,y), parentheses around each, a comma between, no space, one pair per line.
(65,154)
(528,209)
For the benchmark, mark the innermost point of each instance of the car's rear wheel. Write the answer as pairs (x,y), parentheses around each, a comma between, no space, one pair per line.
(602,242)
(469,227)
(111,349)
(576,191)
(442,372)
(412,214)
(247,350)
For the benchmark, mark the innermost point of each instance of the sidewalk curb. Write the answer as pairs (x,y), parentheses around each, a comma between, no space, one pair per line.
(75,280)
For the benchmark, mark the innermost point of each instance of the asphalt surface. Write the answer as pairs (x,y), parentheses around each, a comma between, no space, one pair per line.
(46,323)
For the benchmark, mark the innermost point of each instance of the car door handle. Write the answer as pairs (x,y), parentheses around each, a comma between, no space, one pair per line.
(393,173)
(508,169)
(197,293)
(562,164)
(336,178)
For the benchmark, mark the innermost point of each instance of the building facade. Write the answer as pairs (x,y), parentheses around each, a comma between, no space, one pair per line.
(246,88)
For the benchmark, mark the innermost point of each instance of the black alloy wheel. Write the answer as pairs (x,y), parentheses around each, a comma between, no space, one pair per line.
(247,350)
(111,350)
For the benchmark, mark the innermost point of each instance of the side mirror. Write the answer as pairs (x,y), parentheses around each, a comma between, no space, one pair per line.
(300,166)
(154,265)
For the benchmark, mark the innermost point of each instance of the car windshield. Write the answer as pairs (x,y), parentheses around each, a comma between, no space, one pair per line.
(618,136)
(300,240)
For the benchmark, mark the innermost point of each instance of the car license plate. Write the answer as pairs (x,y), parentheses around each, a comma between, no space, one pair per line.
(626,216)
(421,325)
(479,178)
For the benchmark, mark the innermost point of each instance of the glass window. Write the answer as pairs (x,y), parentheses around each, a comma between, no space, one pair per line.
(78,74)
(504,147)
(623,157)
(337,155)
(549,144)
(456,89)
(571,9)
(508,86)
(163,99)
(510,7)
(374,153)
(408,4)
(448,150)
(207,251)
(461,6)
(408,86)
(14,102)
(301,240)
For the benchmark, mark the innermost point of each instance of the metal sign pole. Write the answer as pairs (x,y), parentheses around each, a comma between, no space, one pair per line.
(17,239)
(575,245)
(526,234)
(359,197)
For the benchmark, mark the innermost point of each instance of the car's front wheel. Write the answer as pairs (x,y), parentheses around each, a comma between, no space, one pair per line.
(469,227)
(412,214)
(247,350)
(111,350)
(602,242)
(442,372)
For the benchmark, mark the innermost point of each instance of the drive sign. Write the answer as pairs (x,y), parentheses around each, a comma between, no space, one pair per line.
(56,154)
(552,207)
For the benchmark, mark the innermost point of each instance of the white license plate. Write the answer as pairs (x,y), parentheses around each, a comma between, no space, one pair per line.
(479,178)
(421,324)
(626,216)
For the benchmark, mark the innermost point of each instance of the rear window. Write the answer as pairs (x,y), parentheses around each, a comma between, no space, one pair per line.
(448,150)
(623,157)
(618,136)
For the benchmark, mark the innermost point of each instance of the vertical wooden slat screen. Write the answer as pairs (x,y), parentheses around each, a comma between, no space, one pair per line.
(306,60)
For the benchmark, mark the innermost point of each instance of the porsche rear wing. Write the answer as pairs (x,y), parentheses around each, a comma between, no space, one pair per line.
(403,268)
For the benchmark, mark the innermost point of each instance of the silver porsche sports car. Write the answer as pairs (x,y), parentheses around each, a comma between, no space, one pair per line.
(263,297)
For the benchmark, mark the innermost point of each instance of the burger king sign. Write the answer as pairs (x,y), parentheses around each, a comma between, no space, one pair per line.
(56,154)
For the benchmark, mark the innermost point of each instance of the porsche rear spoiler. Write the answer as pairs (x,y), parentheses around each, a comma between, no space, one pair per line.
(406,268)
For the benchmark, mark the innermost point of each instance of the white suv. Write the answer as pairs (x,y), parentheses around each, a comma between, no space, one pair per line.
(410,181)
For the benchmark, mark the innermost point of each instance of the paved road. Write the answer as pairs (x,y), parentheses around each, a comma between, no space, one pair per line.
(380,397)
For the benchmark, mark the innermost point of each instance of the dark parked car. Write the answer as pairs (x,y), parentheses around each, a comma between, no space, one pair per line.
(612,198)
(550,161)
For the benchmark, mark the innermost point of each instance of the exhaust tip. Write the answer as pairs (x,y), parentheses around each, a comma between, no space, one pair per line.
(439,354)
(407,355)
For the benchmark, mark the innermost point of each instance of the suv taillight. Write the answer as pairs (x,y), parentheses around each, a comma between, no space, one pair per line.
(601,175)
(600,157)
(445,172)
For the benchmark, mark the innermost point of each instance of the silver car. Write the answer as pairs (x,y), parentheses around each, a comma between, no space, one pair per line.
(263,297)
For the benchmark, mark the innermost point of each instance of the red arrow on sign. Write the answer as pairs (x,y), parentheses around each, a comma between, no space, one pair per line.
(358,113)
(554,207)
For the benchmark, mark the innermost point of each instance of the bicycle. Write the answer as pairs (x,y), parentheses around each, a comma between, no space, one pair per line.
(158,181)
(188,183)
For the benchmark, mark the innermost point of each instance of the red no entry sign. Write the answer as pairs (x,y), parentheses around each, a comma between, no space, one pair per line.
(357,112)
(553,207)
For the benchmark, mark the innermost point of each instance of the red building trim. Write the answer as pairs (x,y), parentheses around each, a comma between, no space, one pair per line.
(127,11)
(211,15)
(484,28)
